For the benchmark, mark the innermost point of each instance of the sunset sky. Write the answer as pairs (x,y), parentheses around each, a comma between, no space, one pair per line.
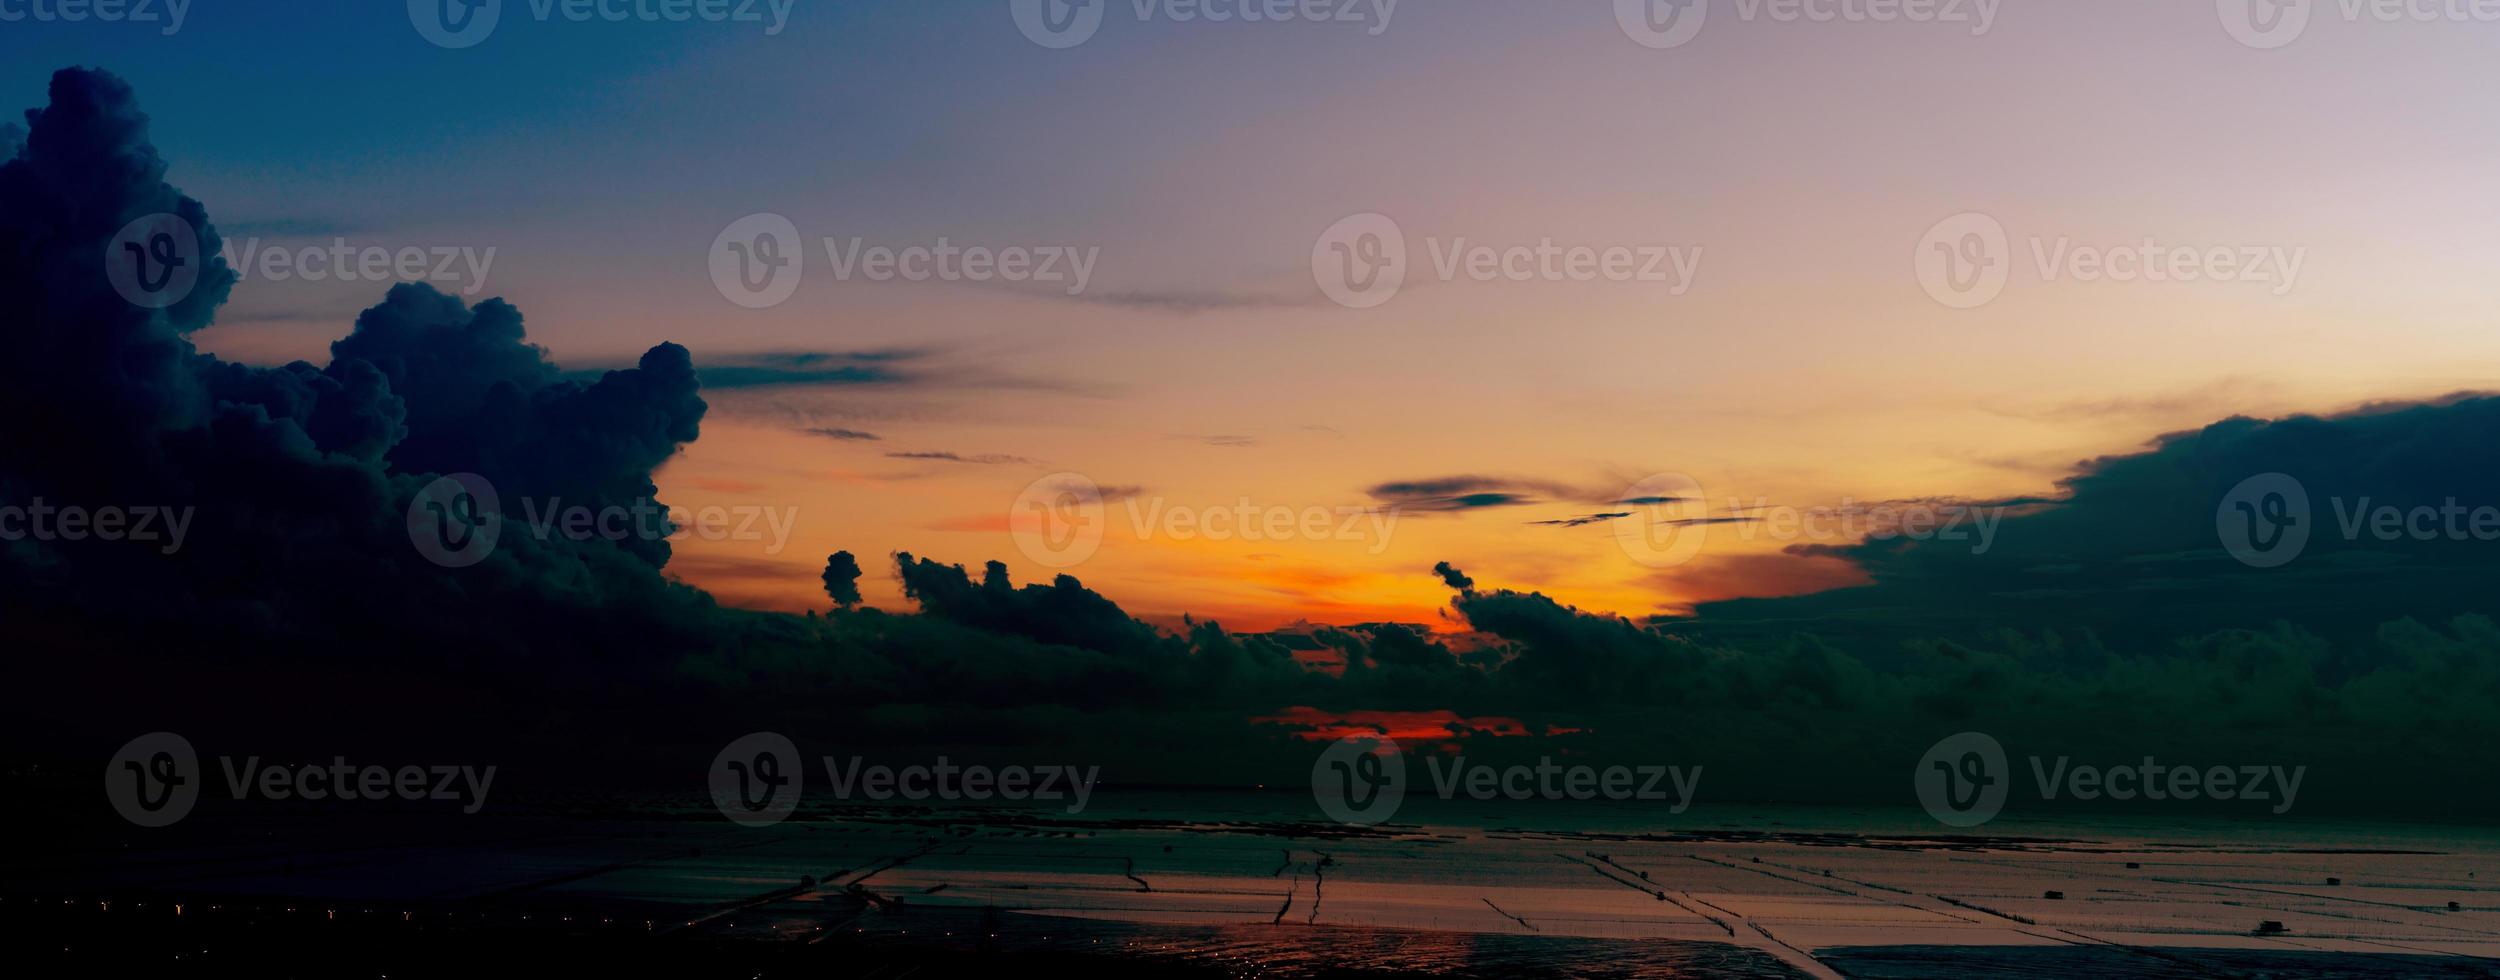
(1202,365)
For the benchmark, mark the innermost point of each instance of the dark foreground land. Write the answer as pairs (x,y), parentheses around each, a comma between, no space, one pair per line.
(264,939)
(1231,887)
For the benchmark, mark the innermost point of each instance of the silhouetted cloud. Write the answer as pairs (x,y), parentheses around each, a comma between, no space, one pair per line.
(301,477)
(844,435)
(2134,549)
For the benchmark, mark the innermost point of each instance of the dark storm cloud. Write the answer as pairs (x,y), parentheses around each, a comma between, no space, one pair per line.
(300,476)
(2134,547)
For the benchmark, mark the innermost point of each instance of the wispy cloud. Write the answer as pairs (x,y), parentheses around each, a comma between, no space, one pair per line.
(979,459)
(1470,492)
(1582,520)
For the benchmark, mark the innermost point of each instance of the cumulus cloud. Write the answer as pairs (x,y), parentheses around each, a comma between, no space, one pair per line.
(300,476)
